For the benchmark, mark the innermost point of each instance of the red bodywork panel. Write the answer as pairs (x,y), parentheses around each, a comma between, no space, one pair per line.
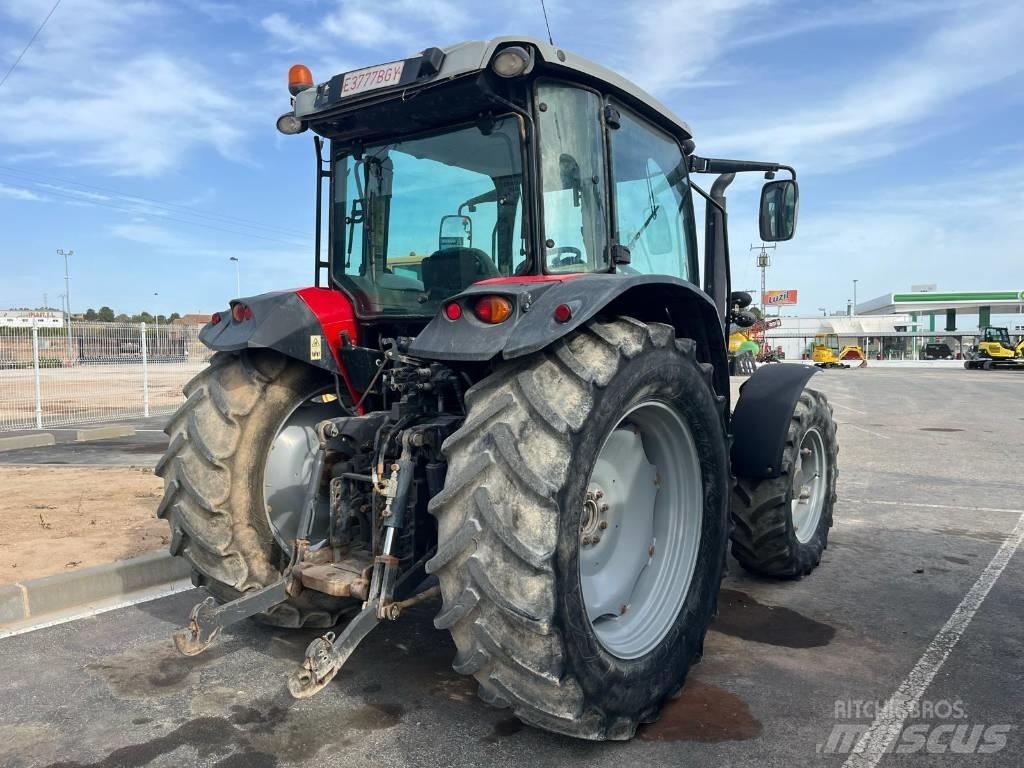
(336,314)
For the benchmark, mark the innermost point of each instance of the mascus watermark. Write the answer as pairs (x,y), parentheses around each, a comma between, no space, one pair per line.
(948,728)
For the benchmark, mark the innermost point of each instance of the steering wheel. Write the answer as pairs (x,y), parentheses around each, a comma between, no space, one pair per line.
(566,261)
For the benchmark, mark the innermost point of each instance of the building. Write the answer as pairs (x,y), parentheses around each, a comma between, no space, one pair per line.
(192,320)
(26,318)
(932,310)
(877,334)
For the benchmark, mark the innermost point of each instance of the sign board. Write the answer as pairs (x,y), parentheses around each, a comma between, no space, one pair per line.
(778,298)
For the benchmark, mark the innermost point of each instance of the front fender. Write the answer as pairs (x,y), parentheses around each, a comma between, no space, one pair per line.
(760,422)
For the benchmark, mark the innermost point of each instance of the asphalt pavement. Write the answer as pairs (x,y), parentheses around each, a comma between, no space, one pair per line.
(918,593)
(143,449)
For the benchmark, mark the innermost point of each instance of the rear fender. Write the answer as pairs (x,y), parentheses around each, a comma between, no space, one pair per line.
(305,325)
(532,326)
(760,422)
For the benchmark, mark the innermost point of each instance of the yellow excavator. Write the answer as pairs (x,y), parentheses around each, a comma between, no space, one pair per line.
(995,350)
(828,354)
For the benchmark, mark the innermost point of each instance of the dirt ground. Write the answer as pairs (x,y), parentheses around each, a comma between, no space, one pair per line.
(60,519)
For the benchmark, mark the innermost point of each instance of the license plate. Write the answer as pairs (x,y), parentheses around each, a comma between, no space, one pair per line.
(372,78)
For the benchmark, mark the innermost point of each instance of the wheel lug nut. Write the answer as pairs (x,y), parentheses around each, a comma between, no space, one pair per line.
(599,495)
(586,541)
(604,507)
(596,539)
(603,525)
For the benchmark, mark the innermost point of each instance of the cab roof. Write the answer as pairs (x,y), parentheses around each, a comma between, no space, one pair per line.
(475,55)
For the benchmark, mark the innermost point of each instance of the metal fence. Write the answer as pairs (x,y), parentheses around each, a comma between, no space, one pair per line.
(83,372)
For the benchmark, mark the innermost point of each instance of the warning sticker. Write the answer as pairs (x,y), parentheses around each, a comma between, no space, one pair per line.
(315,346)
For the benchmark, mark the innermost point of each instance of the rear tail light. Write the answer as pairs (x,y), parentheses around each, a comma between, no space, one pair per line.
(492,309)
(241,312)
(453,311)
(215,318)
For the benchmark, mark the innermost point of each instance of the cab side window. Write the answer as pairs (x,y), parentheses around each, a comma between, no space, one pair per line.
(572,179)
(653,209)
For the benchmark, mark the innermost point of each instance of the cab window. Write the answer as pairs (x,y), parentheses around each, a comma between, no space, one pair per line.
(653,209)
(572,178)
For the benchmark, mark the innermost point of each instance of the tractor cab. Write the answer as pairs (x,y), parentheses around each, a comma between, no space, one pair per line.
(995,342)
(502,160)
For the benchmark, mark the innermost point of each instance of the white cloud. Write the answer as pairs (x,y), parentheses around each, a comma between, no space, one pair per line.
(669,45)
(89,91)
(885,108)
(288,35)
(404,23)
(147,234)
(18,193)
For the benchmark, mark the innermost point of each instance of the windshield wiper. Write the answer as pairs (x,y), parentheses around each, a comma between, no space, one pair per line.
(652,217)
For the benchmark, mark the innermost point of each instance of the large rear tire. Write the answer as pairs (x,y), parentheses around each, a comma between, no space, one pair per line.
(513,557)
(214,477)
(781,524)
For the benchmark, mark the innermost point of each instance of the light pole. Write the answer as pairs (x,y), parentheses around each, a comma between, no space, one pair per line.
(855,297)
(67,289)
(238,278)
(824,312)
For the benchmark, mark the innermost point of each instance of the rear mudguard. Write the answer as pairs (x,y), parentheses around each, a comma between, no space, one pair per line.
(533,326)
(760,422)
(306,324)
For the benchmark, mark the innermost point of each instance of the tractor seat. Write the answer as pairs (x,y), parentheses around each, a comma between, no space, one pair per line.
(448,271)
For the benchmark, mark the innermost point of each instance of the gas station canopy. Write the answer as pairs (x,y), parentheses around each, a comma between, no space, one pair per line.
(967,302)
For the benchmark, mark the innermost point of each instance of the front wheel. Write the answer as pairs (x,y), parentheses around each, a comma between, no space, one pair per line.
(781,524)
(582,528)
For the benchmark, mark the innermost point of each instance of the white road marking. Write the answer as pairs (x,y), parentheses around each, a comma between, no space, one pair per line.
(868,431)
(874,743)
(149,430)
(933,506)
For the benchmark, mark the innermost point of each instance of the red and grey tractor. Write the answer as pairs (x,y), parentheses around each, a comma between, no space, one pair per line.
(508,387)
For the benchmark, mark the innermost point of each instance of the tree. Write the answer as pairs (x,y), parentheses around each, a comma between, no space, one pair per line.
(90,314)
(174,316)
(106,315)
(122,318)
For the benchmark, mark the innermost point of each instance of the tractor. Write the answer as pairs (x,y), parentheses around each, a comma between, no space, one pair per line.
(507,388)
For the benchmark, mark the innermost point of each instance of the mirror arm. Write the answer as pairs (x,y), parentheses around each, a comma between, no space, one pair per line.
(711,165)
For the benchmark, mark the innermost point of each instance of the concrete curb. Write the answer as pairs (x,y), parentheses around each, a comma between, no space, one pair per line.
(90,434)
(104,433)
(40,599)
(34,440)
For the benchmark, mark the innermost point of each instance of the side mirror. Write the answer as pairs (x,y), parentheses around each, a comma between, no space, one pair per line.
(780,201)
(455,232)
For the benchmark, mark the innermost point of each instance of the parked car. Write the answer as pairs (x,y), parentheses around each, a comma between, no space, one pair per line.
(936,351)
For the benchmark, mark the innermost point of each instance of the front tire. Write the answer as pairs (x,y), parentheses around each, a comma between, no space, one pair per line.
(781,524)
(511,520)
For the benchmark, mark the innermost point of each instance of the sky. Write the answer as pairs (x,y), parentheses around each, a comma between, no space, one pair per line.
(140,133)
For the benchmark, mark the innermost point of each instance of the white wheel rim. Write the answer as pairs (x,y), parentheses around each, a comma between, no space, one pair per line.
(809,485)
(287,469)
(640,529)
